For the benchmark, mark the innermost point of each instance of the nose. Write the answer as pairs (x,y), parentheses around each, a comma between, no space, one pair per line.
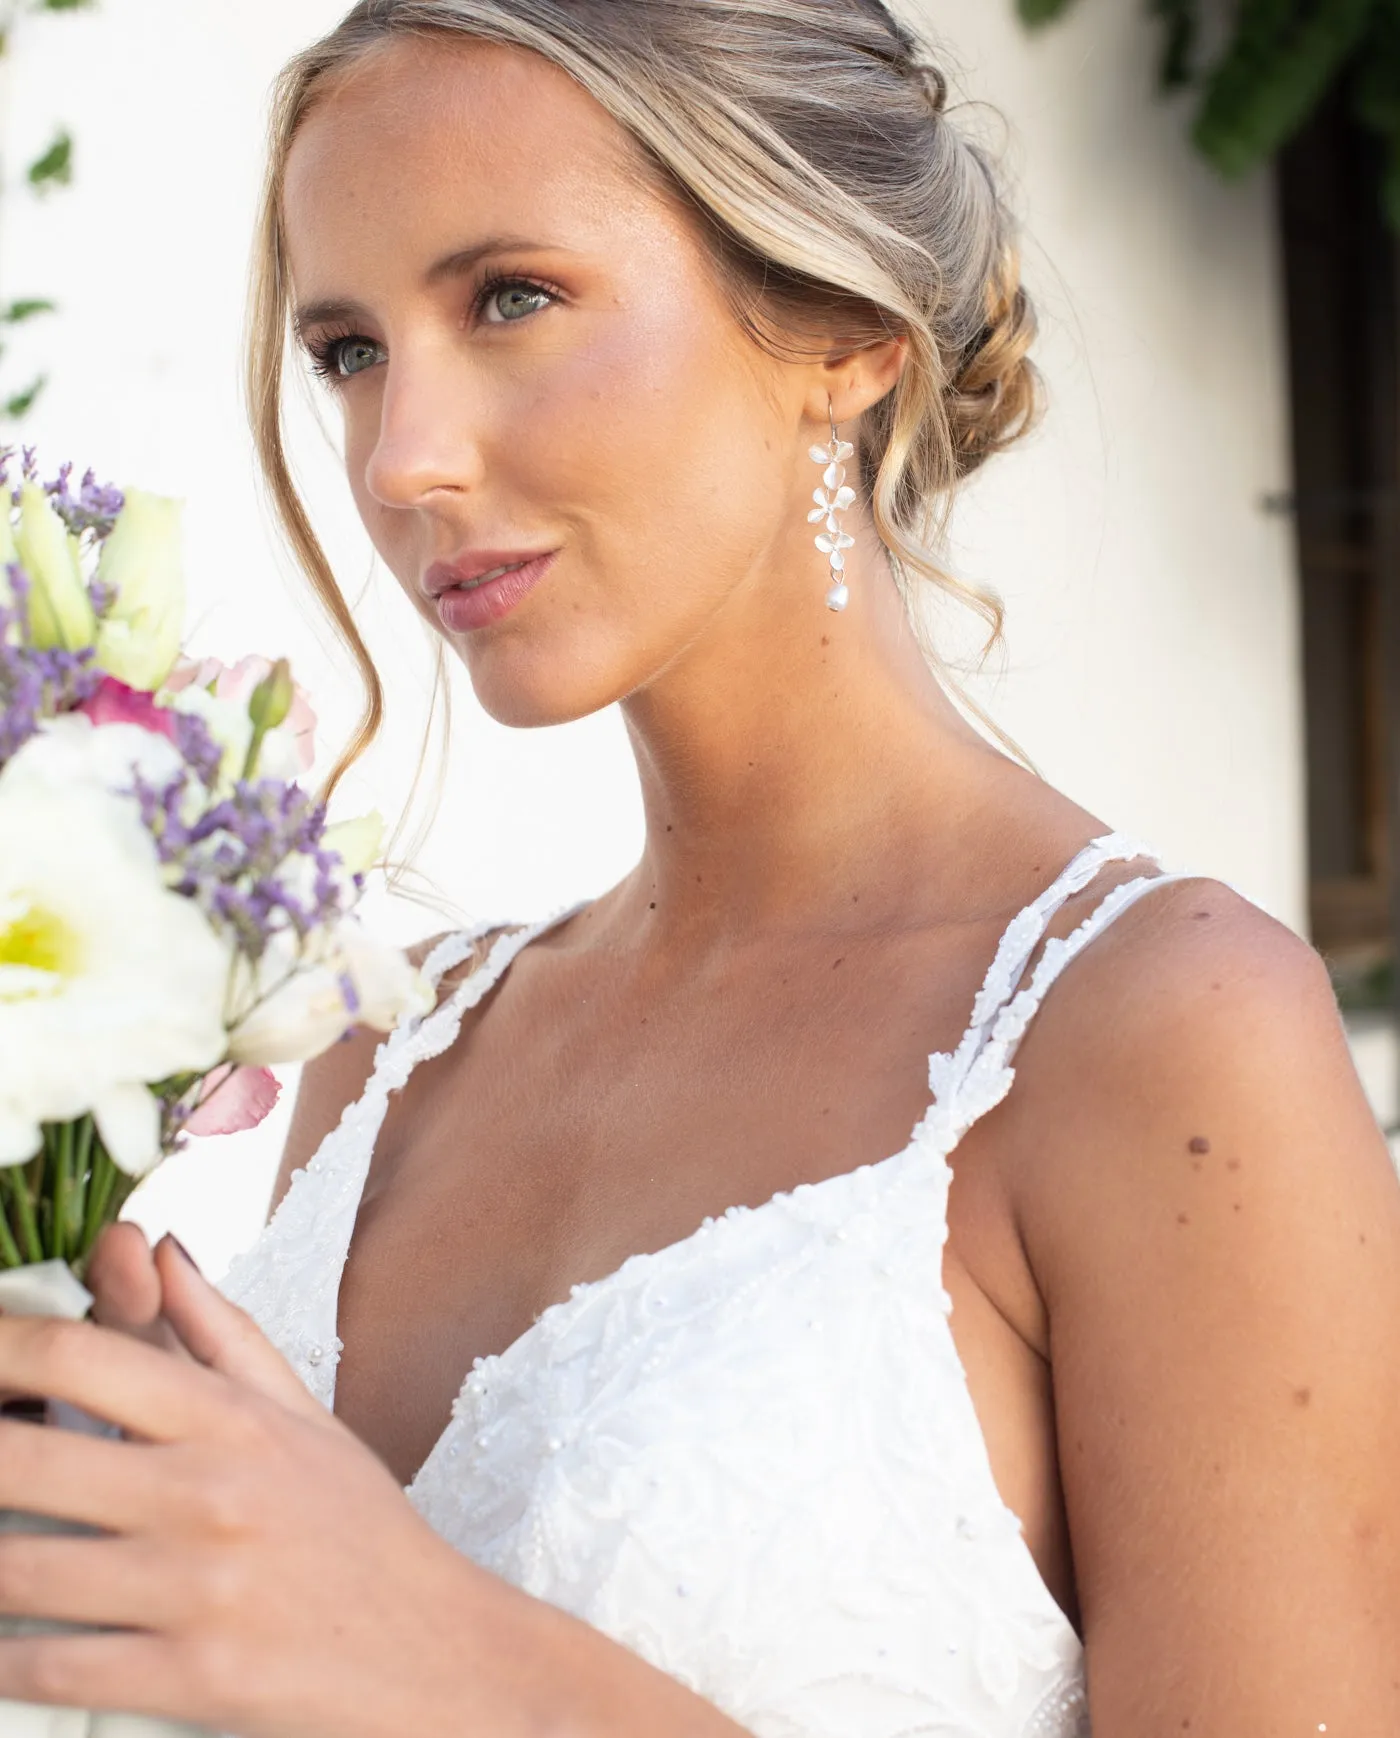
(426,446)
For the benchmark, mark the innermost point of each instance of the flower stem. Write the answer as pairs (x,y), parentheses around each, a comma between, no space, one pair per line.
(106,1196)
(13,1177)
(62,1183)
(82,1177)
(9,1249)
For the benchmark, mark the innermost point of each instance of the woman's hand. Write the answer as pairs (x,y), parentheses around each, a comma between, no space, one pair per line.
(265,1572)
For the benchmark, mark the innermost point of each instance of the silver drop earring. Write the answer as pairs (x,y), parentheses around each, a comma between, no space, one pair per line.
(832,499)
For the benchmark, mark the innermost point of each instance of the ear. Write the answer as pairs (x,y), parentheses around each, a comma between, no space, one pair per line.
(852,380)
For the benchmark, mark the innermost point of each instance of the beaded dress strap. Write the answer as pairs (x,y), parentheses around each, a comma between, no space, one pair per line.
(980,1073)
(292,1275)
(1011,1023)
(410,1044)
(1026,930)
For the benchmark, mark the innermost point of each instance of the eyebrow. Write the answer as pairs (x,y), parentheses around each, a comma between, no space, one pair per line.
(452,265)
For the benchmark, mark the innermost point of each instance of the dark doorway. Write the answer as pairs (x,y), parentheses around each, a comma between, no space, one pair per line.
(1340,271)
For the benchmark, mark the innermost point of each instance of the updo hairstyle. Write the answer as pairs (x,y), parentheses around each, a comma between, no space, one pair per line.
(811,142)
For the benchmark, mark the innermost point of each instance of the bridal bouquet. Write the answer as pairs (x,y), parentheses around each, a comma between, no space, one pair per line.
(176,915)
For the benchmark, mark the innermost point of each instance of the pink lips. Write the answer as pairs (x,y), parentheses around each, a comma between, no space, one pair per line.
(466,600)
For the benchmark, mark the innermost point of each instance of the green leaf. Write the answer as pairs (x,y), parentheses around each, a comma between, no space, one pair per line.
(23,401)
(55,167)
(26,309)
(64,5)
(1037,12)
(1284,57)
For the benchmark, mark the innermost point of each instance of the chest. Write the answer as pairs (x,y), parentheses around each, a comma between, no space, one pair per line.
(587,1115)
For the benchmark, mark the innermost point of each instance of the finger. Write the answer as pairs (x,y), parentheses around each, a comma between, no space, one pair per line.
(111,1376)
(133,1671)
(72,1477)
(224,1337)
(124,1583)
(122,1277)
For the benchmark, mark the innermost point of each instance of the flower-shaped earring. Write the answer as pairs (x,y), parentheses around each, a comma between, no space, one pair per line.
(832,499)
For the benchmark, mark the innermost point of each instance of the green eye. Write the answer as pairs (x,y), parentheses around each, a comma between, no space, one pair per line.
(513,299)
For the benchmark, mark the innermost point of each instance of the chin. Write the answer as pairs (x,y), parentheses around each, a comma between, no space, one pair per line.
(519,686)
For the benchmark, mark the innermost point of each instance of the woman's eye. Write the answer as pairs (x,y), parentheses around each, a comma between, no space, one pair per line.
(354,355)
(513,300)
(336,359)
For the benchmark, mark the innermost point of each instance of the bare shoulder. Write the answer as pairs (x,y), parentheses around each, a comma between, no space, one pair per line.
(1213,1221)
(1189,1078)
(336,1078)
(1194,1023)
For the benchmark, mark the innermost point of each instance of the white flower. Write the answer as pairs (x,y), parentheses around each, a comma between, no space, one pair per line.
(108,980)
(74,750)
(138,640)
(294,1005)
(60,610)
(387,985)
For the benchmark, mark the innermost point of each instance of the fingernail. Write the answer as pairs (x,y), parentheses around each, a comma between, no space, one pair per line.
(180,1249)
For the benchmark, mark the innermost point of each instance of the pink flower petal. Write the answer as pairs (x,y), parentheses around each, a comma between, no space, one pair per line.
(193,672)
(234,1099)
(115,703)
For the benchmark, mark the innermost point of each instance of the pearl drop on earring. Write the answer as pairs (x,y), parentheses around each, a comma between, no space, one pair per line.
(833,499)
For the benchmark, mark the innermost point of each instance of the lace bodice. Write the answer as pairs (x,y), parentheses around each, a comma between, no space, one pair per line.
(750,1456)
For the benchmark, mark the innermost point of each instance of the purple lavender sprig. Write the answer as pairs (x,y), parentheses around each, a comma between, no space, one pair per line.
(254,862)
(94,508)
(35,685)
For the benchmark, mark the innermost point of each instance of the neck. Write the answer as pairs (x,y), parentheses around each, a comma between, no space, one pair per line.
(793,755)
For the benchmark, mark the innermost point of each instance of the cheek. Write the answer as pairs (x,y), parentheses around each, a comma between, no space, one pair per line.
(663,437)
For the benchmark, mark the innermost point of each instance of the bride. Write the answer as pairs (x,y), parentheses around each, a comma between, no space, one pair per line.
(617,1361)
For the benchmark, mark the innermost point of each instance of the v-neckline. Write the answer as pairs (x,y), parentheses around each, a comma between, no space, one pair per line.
(514,942)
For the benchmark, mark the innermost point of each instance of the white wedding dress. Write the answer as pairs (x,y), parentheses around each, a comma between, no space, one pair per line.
(750,1456)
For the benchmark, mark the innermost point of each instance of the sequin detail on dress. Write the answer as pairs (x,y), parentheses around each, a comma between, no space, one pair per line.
(750,1456)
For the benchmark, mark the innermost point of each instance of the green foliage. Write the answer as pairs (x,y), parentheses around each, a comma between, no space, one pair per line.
(18,403)
(55,167)
(26,310)
(1282,60)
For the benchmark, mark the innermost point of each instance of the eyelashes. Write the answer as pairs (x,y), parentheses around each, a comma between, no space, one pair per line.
(327,349)
(330,350)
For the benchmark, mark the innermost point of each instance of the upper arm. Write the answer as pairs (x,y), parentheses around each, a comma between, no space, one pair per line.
(1214,1222)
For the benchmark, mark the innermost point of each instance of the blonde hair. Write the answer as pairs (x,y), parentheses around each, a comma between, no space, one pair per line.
(810,140)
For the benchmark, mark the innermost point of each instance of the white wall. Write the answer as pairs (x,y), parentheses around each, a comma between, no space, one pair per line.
(1153,666)
(1152,669)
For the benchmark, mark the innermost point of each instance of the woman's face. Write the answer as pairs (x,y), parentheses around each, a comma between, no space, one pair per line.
(535,360)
